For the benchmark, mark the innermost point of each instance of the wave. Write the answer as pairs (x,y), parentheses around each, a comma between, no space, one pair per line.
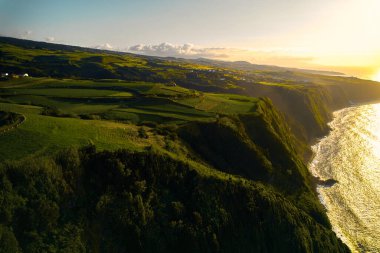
(350,154)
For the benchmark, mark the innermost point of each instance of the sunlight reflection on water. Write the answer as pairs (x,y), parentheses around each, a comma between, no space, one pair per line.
(351,155)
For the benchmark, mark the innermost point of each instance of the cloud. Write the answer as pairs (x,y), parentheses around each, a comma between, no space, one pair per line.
(26,34)
(187,50)
(279,56)
(105,46)
(50,39)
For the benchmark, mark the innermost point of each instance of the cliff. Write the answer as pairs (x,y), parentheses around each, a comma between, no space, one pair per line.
(242,188)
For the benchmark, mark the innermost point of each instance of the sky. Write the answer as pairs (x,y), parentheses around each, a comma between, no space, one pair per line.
(340,35)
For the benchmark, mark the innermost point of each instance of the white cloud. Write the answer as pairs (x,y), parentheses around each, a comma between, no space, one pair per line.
(50,39)
(105,46)
(26,34)
(270,56)
(187,50)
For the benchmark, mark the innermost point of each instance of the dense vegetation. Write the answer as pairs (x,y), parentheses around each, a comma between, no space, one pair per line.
(145,202)
(190,157)
(9,120)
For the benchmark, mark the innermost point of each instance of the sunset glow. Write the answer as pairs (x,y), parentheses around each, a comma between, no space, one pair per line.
(330,35)
(376,77)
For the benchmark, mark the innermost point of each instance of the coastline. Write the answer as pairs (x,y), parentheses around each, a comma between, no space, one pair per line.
(355,243)
(317,187)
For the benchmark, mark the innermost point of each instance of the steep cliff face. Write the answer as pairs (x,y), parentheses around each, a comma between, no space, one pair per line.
(238,185)
(245,189)
(307,110)
(260,147)
(257,145)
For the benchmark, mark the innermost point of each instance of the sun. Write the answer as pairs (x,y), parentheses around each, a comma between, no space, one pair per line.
(376,77)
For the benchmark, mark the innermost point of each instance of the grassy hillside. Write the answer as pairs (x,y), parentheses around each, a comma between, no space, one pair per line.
(61,113)
(186,153)
(305,99)
(231,145)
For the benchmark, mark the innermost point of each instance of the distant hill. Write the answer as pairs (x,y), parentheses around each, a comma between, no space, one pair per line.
(244,65)
(30,44)
(240,65)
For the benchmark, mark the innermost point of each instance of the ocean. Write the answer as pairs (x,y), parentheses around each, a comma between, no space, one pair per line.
(350,154)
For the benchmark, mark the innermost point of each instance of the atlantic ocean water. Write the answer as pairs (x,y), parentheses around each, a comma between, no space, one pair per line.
(350,154)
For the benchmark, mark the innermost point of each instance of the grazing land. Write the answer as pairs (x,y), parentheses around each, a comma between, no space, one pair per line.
(64,113)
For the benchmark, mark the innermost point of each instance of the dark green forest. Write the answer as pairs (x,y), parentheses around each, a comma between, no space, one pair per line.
(88,201)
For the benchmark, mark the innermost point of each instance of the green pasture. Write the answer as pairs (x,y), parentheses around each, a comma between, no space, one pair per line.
(116,108)
(221,103)
(44,134)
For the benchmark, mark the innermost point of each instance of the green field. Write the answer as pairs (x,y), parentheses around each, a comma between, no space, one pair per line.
(222,103)
(102,112)
(44,134)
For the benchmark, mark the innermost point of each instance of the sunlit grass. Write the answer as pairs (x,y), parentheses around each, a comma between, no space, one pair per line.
(43,134)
